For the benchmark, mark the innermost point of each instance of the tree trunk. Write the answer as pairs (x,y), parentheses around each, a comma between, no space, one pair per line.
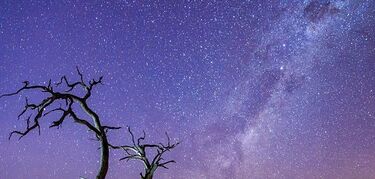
(149,173)
(104,160)
(148,176)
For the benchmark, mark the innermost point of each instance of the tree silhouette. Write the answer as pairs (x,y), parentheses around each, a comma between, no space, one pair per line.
(66,100)
(139,151)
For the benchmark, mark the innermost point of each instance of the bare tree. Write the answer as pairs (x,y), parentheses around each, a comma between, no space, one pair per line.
(66,100)
(138,151)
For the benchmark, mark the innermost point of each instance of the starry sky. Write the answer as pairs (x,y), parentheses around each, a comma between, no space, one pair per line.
(253,89)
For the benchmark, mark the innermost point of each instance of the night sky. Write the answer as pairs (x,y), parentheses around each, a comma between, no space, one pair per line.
(253,89)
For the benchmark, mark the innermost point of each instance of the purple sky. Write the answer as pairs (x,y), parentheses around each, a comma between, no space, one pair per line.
(254,89)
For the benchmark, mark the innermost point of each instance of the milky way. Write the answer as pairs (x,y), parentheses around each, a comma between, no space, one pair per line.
(255,89)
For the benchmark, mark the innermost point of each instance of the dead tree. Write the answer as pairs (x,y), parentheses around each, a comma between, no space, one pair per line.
(65,100)
(138,151)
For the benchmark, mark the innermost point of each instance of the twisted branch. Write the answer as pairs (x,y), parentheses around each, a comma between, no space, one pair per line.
(137,151)
(38,109)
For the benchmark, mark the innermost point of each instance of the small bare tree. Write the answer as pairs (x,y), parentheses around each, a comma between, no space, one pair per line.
(138,151)
(66,100)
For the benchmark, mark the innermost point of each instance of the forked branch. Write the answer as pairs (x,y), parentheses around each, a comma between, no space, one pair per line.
(65,100)
(38,110)
(138,151)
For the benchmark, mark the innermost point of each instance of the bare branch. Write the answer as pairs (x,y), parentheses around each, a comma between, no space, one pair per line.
(132,135)
(53,110)
(94,82)
(60,121)
(38,111)
(141,138)
(70,85)
(138,152)
(130,157)
(27,87)
(110,127)
(81,76)
(107,128)
(49,85)
(165,163)
(84,122)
